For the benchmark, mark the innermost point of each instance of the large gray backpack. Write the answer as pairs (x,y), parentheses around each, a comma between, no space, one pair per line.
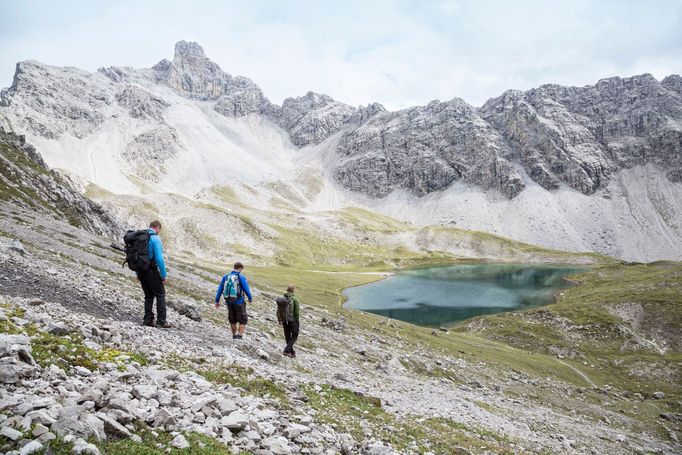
(285,309)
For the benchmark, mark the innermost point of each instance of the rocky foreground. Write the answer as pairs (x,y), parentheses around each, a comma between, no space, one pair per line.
(80,375)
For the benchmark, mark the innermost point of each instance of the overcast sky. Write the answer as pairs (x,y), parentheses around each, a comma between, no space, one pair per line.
(399,53)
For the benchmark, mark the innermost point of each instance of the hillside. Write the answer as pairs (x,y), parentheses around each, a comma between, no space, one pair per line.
(594,372)
(360,383)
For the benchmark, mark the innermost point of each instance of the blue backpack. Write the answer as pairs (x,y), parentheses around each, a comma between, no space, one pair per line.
(233,288)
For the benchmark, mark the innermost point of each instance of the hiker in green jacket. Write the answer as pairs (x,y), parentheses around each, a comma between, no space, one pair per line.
(288,312)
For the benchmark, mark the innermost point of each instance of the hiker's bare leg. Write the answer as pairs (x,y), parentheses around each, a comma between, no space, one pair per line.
(242,327)
(234,328)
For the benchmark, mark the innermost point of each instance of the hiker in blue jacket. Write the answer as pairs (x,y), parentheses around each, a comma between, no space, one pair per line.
(153,280)
(232,287)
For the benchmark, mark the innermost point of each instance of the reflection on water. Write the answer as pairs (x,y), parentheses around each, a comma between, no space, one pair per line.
(438,296)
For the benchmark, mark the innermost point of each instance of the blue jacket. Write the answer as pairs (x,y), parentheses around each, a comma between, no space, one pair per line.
(156,252)
(244,285)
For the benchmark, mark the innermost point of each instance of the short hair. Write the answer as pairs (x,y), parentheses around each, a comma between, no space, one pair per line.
(238,266)
(155,224)
(291,288)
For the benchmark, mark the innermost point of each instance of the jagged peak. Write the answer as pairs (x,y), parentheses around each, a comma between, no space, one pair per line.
(673,82)
(188,49)
(163,65)
(311,100)
(373,108)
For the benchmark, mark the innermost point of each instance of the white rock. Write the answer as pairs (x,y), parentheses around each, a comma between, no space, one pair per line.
(145,391)
(262,354)
(10,433)
(31,447)
(277,445)
(180,442)
(226,406)
(82,447)
(237,420)
(82,371)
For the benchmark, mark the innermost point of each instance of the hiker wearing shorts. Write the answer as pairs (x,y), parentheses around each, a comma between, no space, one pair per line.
(233,287)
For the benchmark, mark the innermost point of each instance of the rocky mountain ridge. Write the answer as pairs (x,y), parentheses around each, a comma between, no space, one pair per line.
(578,136)
(581,168)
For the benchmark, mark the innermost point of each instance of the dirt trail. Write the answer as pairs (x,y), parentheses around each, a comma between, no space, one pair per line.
(580,373)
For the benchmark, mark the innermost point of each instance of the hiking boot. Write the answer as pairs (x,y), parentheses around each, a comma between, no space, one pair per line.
(239,337)
(292,355)
(287,354)
(148,324)
(235,337)
(165,325)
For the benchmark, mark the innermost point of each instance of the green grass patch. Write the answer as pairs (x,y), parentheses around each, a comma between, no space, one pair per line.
(244,377)
(198,445)
(65,351)
(361,415)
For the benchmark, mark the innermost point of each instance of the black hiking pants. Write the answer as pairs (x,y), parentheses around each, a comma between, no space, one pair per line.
(290,335)
(153,287)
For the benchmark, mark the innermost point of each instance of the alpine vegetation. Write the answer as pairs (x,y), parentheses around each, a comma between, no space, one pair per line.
(174,250)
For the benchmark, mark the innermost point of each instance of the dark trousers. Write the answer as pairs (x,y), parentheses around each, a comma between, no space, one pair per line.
(290,334)
(152,286)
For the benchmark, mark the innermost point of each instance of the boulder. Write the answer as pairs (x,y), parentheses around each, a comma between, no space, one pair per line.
(41,417)
(226,406)
(145,391)
(13,373)
(80,447)
(94,427)
(68,421)
(112,427)
(39,430)
(237,420)
(10,433)
(277,445)
(82,371)
(185,308)
(180,442)
(164,419)
(31,447)
(262,354)
(94,395)
(295,429)
(58,328)
(13,246)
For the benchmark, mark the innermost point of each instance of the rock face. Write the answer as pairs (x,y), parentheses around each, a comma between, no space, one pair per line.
(553,135)
(181,126)
(141,103)
(150,152)
(195,76)
(573,135)
(426,149)
(312,118)
(25,180)
(55,100)
(581,135)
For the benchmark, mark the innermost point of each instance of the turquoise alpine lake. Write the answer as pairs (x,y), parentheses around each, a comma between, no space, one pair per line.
(445,295)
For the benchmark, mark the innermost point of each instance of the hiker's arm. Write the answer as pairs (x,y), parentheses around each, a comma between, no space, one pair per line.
(297,309)
(245,287)
(158,256)
(220,290)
